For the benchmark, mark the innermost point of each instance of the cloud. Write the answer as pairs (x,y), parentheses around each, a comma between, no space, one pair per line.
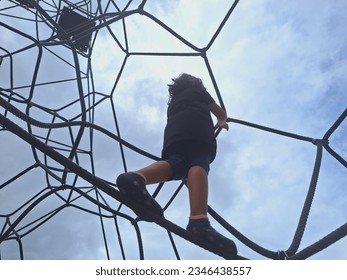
(276,63)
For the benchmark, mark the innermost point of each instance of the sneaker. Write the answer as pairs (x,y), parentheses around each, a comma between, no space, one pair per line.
(202,229)
(133,186)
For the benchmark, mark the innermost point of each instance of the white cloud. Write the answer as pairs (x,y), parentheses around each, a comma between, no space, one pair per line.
(276,63)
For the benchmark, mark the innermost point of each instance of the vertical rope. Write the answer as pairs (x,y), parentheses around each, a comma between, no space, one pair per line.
(308,203)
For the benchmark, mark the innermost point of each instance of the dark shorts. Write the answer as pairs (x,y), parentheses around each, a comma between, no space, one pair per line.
(184,155)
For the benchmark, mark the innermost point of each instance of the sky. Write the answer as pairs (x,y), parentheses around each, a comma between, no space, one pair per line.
(280,64)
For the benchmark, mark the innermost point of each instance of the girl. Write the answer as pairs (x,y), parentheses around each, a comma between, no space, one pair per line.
(189,148)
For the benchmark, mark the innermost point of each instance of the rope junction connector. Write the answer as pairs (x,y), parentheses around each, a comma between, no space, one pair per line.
(135,221)
(320,141)
(282,255)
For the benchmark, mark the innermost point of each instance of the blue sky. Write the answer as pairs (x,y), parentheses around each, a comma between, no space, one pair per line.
(280,64)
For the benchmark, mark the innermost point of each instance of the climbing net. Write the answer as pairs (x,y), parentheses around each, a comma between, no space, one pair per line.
(50,97)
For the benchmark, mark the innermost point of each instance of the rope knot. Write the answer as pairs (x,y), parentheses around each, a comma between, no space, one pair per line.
(320,141)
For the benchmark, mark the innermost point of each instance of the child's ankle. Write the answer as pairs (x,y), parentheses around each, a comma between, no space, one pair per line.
(198,217)
(140,174)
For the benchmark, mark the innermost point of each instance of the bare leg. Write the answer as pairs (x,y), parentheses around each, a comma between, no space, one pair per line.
(198,192)
(157,172)
(199,224)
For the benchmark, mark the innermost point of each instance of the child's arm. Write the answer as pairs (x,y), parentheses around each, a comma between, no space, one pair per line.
(220,114)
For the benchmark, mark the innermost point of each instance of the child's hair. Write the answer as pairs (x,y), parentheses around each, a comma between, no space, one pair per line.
(184,81)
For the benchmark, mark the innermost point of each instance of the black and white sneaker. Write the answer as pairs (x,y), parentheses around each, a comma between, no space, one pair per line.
(202,229)
(133,186)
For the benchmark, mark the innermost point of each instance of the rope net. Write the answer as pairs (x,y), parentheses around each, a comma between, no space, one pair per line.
(53,96)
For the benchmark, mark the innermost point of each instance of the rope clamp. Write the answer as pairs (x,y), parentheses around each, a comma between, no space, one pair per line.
(282,255)
(320,141)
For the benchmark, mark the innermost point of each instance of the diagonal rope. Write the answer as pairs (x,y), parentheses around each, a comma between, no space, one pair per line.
(97,182)
(320,245)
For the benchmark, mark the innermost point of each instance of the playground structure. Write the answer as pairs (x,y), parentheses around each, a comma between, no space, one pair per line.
(62,137)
